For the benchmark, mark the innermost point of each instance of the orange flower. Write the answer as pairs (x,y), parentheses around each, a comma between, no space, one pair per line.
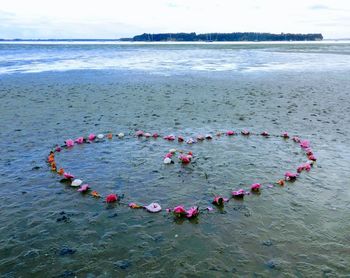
(53,167)
(51,158)
(60,171)
(281,182)
(95,194)
(109,135)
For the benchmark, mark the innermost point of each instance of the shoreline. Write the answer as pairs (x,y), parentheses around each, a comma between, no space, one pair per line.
(112,42)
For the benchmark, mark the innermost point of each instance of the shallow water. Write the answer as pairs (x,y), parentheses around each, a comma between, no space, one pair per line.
(175,58)
(300,230)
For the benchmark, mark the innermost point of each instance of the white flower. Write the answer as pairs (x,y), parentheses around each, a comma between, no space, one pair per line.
(76,182)
(167,160)
(121,135)
(153,207)
(100,136)
(172,151)
(190,141)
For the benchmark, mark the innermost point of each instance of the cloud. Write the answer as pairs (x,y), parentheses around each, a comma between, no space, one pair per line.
(117,18)
(319,7)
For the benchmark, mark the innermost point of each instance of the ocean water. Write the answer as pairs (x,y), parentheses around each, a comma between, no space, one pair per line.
(52,92)
(175,58)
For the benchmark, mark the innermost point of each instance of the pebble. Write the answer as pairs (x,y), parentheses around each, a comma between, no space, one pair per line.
(267,242)
(273,264)
(67,251)
(123,264)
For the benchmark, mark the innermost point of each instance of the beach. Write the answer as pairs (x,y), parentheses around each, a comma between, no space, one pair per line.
(296,230)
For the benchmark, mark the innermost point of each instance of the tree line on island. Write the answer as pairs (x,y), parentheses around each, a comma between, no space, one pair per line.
(222,37)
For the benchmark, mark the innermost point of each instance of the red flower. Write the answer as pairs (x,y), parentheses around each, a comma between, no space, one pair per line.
(111,198)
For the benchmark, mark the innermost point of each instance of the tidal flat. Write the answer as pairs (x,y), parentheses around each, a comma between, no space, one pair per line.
(298,230)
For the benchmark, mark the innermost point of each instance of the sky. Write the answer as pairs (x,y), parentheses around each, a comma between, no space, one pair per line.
(87,19)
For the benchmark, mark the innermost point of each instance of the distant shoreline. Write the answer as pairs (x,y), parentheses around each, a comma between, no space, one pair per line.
(224,37)
(118,42)
(193,37)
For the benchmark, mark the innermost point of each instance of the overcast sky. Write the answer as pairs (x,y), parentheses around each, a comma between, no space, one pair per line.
(116,18)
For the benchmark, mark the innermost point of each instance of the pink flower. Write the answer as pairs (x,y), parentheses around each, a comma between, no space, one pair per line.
(210,209)
(219,201)
(185,159)
(155,135)
(264,133)
(300,168)
(180,138)
(200,137)
(83,188)
(304,144)
(309,152)
(290,176)
(296,139)
(255,187)
(239,193)
(69,143)
(68,175)
(192,212)
(111,198)
(307,167)
(79,140)
(230,132)
(179,211)
(58,149)
(169,155)
(245,132)
(312,157)
(91,137)
(147,135)
(170,137)
(285,135)
(139,133)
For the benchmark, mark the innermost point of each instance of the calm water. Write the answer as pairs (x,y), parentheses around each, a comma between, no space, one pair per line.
(49,93)
(175,58)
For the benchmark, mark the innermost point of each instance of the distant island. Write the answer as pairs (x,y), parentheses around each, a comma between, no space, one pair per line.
(223,37)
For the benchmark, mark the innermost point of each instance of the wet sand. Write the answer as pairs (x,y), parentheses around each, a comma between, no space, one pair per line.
(299,230)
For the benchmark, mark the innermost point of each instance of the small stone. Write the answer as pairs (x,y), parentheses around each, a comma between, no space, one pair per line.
(267,242)
(271,264)
(67,251)
(123,264)
(63,218)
